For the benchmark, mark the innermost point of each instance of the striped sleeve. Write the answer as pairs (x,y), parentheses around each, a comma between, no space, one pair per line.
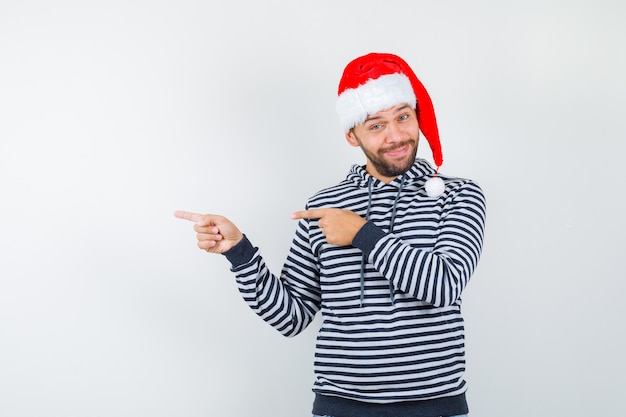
(287,303)
(436,276)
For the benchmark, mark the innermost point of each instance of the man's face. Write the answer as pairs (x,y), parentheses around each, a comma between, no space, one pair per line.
(389,140)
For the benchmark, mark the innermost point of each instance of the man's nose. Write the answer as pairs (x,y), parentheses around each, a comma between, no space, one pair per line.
(394,132)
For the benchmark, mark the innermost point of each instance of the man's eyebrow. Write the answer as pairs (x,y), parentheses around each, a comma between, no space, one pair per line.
(398,110)
(370,118)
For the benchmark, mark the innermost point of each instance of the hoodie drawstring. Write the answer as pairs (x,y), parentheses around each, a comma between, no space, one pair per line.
(367,217)
(391,225)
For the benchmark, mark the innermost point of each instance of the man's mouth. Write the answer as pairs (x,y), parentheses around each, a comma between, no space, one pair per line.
(397,151)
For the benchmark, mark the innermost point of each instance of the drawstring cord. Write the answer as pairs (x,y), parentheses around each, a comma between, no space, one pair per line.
(391,225)
(367,217)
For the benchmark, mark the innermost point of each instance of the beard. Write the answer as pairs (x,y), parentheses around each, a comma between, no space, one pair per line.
(391,168)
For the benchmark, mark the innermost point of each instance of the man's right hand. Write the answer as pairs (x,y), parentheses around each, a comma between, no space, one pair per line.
(215,234)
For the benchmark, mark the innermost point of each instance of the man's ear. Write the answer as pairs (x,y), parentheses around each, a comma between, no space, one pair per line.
(351,138)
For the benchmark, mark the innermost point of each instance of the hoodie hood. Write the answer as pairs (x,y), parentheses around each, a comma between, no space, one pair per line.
(414,178)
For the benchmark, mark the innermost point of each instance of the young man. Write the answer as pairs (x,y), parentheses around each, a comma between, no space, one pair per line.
(385,256)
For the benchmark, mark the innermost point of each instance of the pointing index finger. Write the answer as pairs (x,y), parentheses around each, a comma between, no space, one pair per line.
(309,214)
(187,215)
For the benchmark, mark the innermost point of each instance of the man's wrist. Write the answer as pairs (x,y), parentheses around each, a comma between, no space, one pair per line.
(367,237)
(241,253)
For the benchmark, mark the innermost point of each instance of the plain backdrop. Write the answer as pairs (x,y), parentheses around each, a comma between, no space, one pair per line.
(113,114)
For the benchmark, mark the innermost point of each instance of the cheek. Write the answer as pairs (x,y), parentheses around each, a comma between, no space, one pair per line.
(411,131)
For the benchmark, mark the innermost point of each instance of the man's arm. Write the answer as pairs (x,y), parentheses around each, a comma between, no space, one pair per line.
(288,303)
(439,275)
(436,276)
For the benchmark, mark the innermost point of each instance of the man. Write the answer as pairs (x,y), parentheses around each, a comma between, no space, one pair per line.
(385,256)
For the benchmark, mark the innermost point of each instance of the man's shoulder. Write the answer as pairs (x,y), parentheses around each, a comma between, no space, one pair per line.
(465,189)
(459,182)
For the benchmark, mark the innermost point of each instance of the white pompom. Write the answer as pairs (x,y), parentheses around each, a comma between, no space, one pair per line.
(434,187)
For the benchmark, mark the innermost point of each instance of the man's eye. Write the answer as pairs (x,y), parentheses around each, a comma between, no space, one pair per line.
(376,127)
(404,117)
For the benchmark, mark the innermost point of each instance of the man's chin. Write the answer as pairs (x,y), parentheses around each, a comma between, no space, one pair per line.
(399,168)
(395,170)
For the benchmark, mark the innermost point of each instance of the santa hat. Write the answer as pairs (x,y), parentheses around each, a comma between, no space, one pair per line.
(378,81)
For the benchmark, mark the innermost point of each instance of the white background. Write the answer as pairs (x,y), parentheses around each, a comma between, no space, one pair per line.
(113,114)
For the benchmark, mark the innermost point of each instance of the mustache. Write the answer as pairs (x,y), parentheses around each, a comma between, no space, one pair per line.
(398,145)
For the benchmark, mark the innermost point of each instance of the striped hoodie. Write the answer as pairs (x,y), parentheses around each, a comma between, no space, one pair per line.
(392,332)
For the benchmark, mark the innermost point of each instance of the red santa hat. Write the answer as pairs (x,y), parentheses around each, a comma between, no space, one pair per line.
(378,81)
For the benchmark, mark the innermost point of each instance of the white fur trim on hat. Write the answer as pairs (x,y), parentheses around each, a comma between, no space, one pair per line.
(355,104)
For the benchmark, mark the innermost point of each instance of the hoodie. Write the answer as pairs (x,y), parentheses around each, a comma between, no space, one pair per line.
(392,331)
